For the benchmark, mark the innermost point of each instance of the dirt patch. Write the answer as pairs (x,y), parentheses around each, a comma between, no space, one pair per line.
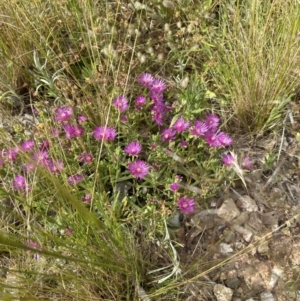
(247,240)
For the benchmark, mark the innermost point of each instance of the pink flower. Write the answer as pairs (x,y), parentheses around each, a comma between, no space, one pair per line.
(55,132)
(35,111)
(186,205)
(104,133)
(40,157)
(73,131)
(85,158)
(146,80)
(63,113)
(140,101)
(121,103)
(73,180)
(212,121)
(156,97)
(27,145)
(167,134)
(158,117)
(19,183)
(82,118)
(87,198)
(174,186)
(199,129)
(183,143)
(180,125)
(224,139)
(55,166)
(212,139)
(30,166)
(45,145)
(139,169)
(9,154)
(158,85)
(133,148)
(228,160)
(123,118)
(246,162)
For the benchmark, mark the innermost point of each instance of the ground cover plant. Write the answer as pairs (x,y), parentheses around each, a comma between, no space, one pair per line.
(116,124)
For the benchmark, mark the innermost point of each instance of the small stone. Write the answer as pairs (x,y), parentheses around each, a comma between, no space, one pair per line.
(233,283)
(266,296)
(263,248)
(222,292)
(295,254)
(248,203)
(228,210)
(275,276)
(225,248)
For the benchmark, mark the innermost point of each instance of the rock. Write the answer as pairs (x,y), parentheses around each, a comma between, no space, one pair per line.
(266,296)
(280,249)
(295,254)
(257,276)
(222,292)
(225,248)
(228,210)
(247,203)
(276,274)
(255,222)
(233,283)
(176,219)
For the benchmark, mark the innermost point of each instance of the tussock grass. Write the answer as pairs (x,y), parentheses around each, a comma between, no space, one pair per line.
(257,59)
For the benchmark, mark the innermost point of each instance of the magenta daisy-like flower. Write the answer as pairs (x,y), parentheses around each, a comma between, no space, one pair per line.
(146,79)
(212,139)
(63,113)
(140,101)
(105,133)
(168,134)
(19,183)
(55,132)
(55,166)
(228,160)
(27,145)
(82,118)
(246,162)
(186,205)
(180,125)
(121,103)
(183,143)
(85,158)
(212,121)
(158,117)
(224,139)
(156,97)
(124,119)
(30,166)
(139,169)
(87,198)
(40,157)
(9,154)
(174,186)
(45,144)
(73,131)
(133,148)
(199,129)
(73,180)
(158,85)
